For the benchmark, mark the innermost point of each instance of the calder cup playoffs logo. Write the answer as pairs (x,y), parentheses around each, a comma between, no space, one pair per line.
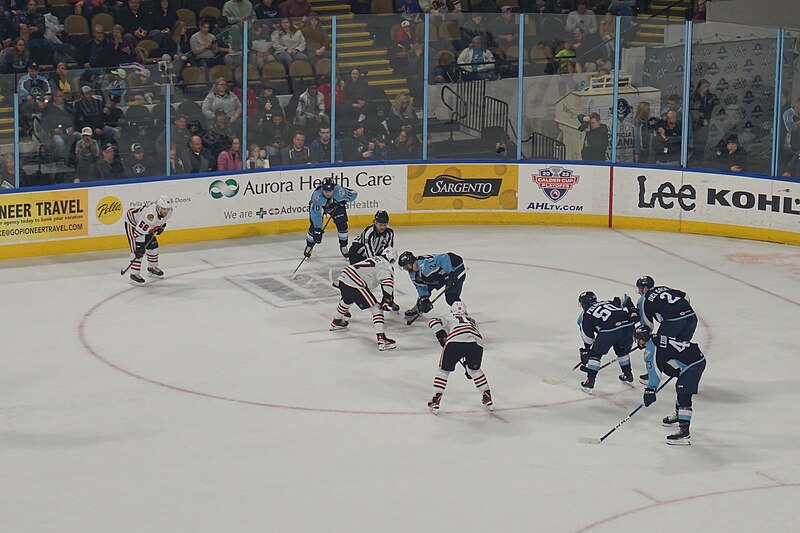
(555,182)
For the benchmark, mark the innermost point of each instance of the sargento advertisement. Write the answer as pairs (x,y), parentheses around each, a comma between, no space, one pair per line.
(481,186)
(40,216)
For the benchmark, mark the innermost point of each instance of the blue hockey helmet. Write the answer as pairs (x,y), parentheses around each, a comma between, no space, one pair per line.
(645,282)
(642,333)
(586,299)
(328,184)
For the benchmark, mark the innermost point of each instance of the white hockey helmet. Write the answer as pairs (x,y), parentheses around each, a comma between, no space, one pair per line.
(458,308)
(390,254)
(163,205)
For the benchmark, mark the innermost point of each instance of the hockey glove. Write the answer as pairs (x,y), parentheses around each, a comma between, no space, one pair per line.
(316,233)
(139,251)
(649,397)
(584,355)
(424,304)
(387,304)
(441,336)
(159,231)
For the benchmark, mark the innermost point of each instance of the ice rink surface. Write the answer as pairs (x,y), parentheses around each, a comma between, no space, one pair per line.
(217,400)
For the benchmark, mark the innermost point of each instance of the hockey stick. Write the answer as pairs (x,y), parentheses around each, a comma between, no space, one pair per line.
(551,381)
(303,260)
(604,437)
(146,244)
(444,290)
(466,372)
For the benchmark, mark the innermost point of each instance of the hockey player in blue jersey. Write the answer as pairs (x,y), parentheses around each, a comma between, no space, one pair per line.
(669,307)
(432,272)
(328,199)
(676,358)
(604,325)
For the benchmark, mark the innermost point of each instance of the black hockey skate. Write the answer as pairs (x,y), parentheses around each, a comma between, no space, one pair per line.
(385,343)
(155,272)
(643,379)
(486,400)
(669,421)
(136,279)
(339,323)
(681,438)
(411,315)
(588,385)
(343,249)
(627,378)
(433,405)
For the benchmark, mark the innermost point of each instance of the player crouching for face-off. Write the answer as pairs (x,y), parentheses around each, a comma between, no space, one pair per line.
(142,225)
(355,284)
(458,334)
(676,358)
(433,272)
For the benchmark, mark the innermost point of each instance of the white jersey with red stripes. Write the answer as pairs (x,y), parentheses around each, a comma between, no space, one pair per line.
(142,221)
(459,328)
(370,273)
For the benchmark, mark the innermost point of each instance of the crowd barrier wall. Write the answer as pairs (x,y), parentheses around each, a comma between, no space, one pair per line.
(247,204)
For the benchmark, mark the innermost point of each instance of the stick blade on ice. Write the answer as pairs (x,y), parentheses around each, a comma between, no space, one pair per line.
(589,440)
(550,381)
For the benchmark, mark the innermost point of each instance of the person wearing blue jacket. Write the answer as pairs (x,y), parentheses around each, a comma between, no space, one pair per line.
(676,358)
(432,272)
(328,199)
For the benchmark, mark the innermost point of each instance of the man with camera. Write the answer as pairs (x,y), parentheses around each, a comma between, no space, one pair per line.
(667,142)
(595,140)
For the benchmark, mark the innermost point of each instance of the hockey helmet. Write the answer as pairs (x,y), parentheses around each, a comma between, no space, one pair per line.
(458,308)
(407,258)
(328,184)
(642,333)
(163,206)
(390,254)
(381,217)
(586,299)
(645,282)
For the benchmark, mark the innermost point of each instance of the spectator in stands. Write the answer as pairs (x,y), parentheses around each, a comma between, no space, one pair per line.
(792,167)
(405,146)
(402,116)
(730,156)
(318,42)
(178,134)
(140,88)
(123,49)
(6,29)
(197,158)
(267,11)
(619,8)
(311,107)
(238,11)
(321,147)
(229,42)
(256,158)
(221,98)
(252,98)
(176,164)
(791,121)
(409,8)
(230,159)
(8,173)
(161,21)
(505,29)
(581,19)
(277,134)
(595,140)
(114,88)
(89,8)
(91,113)
(486,6)
(140,165)
(700,109)
(109,168)
(567,57)
(673,104)
(503,147)
(134,20)
(288,43)
(356,92)
(642,133)
(98,52)
(29,25)
(667,142)
(32,84)
(381,150)
(178,48)
(295,8)
(16,58)
(403,38)
(260,46)
(268,104)
(477,63)
(356,147)
(475,27)
(219,135)
(298,153)
(59,80)
(87,153)
(88,79)
(204,45)
(58,121)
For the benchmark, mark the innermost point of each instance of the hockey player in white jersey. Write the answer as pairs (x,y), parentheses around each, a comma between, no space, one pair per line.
(356,283)
(142,226)
(458,334)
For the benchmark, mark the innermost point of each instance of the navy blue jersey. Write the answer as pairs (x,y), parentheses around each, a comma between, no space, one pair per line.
(664,305)
(433,271)
(669,356)
(603,317)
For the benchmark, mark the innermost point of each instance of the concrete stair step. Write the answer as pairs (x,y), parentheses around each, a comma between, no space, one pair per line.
(365,43)
(361,53)
(364,63)
(388,82)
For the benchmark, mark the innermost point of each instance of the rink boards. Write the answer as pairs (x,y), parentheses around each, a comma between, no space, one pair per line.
(209,207)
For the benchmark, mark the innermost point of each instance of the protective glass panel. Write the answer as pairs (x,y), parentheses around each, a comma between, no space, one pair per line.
(789,141)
